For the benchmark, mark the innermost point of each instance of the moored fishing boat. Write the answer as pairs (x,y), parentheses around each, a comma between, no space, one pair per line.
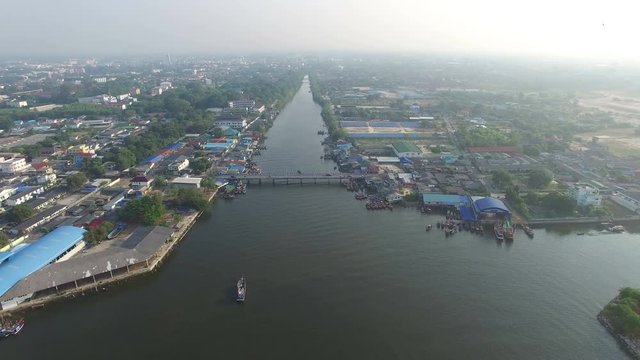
(11,330)
(498,231)
(527,230)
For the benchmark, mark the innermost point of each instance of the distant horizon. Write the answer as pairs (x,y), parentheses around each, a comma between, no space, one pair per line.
(568,29)
(545,59)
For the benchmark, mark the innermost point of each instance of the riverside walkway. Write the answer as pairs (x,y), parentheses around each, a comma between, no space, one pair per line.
(288,179)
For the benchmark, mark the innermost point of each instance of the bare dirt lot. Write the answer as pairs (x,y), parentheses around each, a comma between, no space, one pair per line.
(624,107)
(621,142)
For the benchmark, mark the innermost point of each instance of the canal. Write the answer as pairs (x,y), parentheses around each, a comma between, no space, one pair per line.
(329,280)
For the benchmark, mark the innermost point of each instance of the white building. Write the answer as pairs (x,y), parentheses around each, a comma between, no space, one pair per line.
(25,196)
(585,195)
(100,80)
(12,166)
(242,104)
(7,192)
(156,91)
(18,103)
(179,165)
(236,123)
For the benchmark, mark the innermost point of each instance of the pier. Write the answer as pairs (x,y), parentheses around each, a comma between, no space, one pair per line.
(287,179)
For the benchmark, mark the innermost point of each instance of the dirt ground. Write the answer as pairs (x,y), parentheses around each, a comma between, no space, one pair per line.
(621,142)
(624,107)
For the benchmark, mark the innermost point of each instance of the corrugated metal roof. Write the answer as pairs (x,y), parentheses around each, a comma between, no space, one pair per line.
(489,204)
(37,255)
(445,199)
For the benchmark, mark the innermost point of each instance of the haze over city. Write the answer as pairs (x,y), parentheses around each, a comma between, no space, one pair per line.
(598,29)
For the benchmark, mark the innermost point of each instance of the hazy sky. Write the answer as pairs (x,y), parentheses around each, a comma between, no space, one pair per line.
(603,28)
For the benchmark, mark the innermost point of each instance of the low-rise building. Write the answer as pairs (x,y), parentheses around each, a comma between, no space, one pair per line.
(12,166)
(179,164)
(22,197)
(186,182)
(406,149)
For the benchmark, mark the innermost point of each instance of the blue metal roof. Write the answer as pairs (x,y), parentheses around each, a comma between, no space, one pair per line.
(37,255)
(490,204)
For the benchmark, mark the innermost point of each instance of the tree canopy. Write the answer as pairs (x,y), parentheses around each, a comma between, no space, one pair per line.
(540,178)
(147,210)
(76,181)
(20,213)
(501,178)
(562,204)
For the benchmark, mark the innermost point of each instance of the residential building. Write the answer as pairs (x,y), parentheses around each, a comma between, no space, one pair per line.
(79,149)
(140,181)
(100,80)
(22,197)
(7,191)
(230,120)
(585,195)
(12,166)
(179,164)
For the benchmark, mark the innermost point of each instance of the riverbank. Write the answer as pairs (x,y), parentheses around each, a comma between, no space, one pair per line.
(630,345)
(621,318)
(181,230)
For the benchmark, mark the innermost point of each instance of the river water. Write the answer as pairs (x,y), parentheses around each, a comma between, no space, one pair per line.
(329,280)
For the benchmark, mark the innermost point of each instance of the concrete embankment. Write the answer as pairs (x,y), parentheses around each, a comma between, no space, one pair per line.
(83,287)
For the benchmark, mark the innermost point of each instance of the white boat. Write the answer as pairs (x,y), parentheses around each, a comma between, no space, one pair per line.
(241,290)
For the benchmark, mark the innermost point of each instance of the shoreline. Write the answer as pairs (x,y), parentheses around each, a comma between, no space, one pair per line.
(99,286)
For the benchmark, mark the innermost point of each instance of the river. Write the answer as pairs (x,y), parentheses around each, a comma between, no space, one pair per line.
(329,280)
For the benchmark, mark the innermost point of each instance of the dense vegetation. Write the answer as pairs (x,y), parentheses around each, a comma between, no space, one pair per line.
(20,213)
(76,181)
(624,312)
(148,210)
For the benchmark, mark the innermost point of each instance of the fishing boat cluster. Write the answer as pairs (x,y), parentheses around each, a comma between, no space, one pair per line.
(232,189)
(11,329)
(376,202)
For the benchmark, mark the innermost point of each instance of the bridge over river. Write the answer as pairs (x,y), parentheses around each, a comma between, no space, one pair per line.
(288,179)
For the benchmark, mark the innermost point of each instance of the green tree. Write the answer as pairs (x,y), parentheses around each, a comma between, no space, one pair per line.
(501,178)
(76,181)
(200,165)
(540,178)
(148,210)
(99,233)
(124,158)
(193,198)
(4,240)
(160,181)
(217,132)
(93,167)
(562,204)
(20,213)
(531,150)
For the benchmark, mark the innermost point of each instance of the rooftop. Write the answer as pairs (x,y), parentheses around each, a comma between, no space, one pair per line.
(405,146)
(37,255)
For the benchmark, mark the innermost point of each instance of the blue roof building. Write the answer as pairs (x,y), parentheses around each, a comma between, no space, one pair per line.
(491,205)
(16,265)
